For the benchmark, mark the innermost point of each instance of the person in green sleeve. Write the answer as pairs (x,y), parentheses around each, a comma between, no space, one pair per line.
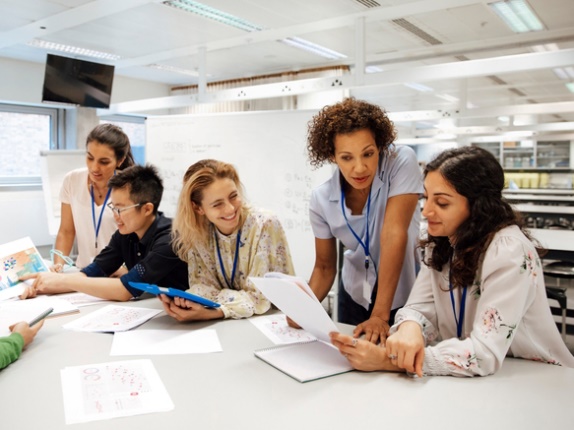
(11,346)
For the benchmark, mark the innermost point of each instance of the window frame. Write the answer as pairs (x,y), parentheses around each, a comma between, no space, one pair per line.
(20,183)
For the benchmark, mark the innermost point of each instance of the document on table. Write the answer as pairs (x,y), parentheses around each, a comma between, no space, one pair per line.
(295,298)
(163,342)
(12,311)
(110,390)
(277,330)
(303,361)
(113,318)
(82,299)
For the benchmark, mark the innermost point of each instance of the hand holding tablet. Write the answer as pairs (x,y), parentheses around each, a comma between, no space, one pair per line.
(172,292)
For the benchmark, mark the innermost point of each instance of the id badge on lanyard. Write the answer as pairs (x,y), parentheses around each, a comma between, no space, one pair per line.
(365,245)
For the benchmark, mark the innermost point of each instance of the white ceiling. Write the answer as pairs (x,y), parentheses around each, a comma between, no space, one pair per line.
(451,52)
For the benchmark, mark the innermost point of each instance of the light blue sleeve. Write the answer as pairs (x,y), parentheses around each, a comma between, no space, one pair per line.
(320,226)
(405,176)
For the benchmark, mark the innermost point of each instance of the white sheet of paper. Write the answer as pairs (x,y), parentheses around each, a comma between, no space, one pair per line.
(82,299)
(112,318)
(12,292)
(164,342)
(296,302)
(277,330)
(109,390)
(13,312)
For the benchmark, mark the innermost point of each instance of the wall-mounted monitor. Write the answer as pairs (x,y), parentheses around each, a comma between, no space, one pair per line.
(79,82)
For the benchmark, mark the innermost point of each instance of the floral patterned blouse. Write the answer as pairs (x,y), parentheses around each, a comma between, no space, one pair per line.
(507,313)
(262,248)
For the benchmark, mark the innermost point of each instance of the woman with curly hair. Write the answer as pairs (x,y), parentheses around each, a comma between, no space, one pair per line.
(224,242)
(371,206)
(480,295)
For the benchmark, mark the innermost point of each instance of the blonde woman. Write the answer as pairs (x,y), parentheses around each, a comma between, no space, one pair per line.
(224,242)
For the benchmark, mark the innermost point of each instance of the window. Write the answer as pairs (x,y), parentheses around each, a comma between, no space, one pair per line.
(24,132)
(134,127)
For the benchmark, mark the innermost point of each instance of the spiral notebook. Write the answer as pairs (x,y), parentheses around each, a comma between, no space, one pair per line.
(305,361)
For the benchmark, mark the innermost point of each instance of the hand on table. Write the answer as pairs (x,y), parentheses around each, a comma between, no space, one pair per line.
(375,330)
(363,355)
(42,283)
(406,347)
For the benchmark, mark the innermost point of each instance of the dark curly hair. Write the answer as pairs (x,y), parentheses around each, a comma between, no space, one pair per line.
(346,117)
(475,174)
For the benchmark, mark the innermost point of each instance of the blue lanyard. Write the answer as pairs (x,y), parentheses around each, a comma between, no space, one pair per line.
(365,245)
(98,225)
(229,284)
(459,321)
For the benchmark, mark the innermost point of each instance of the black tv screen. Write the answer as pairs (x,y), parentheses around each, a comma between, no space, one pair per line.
(79,82)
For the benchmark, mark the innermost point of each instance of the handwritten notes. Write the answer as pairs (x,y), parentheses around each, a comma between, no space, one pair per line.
(112,318)
(109,390)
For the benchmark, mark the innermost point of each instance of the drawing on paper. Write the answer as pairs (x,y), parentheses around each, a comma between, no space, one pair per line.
(15,262)
(276,329)
(113,387)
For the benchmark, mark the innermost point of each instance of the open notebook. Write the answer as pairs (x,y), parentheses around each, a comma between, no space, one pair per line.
(303,361)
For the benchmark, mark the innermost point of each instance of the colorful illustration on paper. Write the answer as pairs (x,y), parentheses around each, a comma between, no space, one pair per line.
(19,263)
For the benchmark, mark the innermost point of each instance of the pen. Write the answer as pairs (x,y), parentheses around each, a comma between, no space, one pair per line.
(41,317)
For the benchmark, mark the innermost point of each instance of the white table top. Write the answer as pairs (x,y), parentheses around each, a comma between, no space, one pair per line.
(234,389)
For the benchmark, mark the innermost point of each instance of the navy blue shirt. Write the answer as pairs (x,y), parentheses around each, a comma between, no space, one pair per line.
(150,260)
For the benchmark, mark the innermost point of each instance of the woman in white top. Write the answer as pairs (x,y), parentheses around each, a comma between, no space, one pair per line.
(480,295)
(84,195)
(370,205)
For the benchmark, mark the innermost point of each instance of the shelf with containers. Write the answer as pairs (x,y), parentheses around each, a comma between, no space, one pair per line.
(531,154)
(535,164)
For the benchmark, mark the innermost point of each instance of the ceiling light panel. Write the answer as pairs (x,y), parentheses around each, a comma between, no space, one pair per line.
(518,15)
(69,49)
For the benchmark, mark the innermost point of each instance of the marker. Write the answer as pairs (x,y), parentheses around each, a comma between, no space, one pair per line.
(41,317)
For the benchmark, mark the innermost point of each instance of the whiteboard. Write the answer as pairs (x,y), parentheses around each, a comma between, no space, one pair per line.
(54,166)
(267,148)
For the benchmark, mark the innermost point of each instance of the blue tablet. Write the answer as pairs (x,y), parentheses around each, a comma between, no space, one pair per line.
(172,292)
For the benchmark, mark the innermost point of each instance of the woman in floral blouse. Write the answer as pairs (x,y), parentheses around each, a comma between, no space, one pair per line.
(480,295)
(224,242)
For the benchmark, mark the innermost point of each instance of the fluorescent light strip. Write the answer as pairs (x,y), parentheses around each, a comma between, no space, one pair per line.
(236,22)
(37,43)
(419,87)
(570,86)
(373,69)
(518,15)
(173,69)
(313,48)
(212,13)
(447,97)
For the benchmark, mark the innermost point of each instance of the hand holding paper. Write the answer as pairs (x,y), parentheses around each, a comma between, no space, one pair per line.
(294,298)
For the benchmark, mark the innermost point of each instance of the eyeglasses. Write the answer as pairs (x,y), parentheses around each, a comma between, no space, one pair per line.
(118,211)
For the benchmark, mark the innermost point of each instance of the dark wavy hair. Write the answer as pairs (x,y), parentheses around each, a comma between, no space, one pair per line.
(475,174)
(346,117)
(114,137)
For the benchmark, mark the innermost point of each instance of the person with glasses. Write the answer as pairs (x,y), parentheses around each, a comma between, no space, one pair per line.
(84,195)
(480,295)
(142,242)
(224,241)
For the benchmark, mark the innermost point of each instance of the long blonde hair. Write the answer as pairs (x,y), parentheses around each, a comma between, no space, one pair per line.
(189,227)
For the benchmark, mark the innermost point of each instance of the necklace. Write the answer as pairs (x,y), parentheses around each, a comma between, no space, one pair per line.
(94,188)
